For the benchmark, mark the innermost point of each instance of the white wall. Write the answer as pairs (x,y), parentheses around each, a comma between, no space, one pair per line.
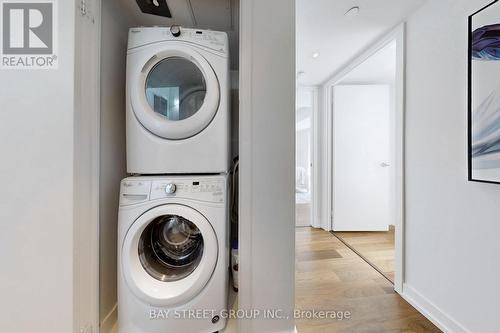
(114,33)
(267,145)
(36,200)
(452,226)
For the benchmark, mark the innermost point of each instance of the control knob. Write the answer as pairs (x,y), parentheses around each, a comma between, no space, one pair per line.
(175,30)
(170,188)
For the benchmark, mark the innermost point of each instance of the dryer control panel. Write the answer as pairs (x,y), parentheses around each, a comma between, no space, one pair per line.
(214,40)
(142,189)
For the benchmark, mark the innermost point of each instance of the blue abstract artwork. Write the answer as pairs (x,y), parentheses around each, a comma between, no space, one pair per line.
(484,94)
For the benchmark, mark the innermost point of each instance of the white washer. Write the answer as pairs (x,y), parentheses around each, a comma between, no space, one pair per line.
(177,101)
(173,254)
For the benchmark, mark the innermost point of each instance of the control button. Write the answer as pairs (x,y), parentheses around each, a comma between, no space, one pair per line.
(170,188)
(175,30)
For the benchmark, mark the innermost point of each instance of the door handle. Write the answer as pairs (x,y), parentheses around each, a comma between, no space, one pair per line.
(385,164)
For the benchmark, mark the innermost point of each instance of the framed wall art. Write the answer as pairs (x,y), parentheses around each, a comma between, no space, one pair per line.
(484,94)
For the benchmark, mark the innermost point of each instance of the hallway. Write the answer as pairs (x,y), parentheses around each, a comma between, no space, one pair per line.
(330,276)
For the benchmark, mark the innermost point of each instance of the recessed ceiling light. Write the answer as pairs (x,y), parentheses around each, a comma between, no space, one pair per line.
(354,11)
(315,55)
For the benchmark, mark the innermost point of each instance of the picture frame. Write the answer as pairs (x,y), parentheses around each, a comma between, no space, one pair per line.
(484,94)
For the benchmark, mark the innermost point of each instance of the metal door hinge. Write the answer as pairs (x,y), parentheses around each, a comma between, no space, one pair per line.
(86,10)
(83,7)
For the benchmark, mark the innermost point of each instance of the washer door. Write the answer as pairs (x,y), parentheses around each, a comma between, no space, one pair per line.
(175,93)
(169,255)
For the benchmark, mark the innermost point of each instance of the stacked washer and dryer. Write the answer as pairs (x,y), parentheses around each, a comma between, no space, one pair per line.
(173,248)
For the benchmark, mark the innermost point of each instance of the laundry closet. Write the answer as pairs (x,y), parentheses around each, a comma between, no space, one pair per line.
(193,171)
(64,156)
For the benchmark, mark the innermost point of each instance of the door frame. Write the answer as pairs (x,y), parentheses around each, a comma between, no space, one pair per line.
(87,119)
(397,34)
(267,162)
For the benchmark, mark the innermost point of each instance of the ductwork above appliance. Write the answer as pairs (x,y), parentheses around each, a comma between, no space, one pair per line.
(203,14)
(154,7)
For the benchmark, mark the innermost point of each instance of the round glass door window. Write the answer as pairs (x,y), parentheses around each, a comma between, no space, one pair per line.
(175,88)
(170,248)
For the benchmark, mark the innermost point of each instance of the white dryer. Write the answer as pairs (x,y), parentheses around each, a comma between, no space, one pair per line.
(177,101)
(173,254)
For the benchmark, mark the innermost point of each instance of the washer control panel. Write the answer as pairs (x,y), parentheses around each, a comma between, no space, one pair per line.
(143,189)
(204,190)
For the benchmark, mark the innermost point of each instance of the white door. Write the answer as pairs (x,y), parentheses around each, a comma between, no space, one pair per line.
(361,180)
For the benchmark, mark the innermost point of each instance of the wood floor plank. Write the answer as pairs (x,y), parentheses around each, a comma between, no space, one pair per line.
(318,255)
(347,283)
(376,247)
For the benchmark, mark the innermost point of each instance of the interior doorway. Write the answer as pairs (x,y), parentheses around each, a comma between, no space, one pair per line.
(304,130)
(366,163)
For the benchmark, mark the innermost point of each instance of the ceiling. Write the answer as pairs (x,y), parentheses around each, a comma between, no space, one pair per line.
(219,15)
(380,68)
(322,27)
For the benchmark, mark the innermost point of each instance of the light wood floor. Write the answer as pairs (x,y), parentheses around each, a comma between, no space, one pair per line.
(375,247)
(330,276)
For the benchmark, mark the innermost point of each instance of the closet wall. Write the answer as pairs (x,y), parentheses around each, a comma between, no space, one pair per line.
(117,17)
(114,33)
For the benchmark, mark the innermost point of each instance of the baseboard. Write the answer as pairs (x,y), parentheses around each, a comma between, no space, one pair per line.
(362,229)
(439,318)
(109,321)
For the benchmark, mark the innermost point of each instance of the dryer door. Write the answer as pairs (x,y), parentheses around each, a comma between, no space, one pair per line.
(174,93)
(169,255)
